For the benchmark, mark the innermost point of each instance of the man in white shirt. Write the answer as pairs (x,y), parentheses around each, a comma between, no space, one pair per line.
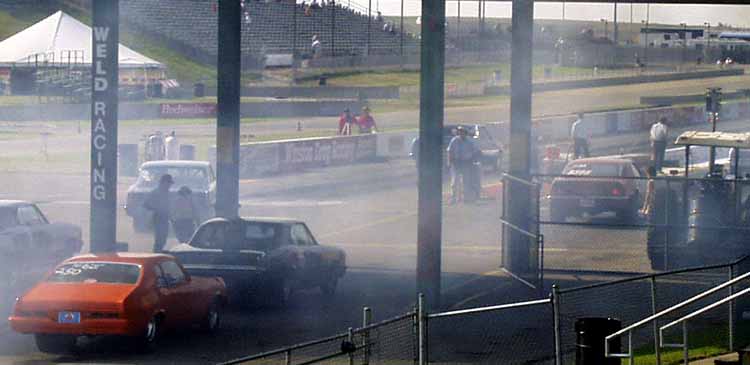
(172,147)
(658,138)
(580,138)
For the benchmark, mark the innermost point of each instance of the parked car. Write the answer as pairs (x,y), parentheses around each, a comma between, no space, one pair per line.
(127,294)
(28,238)
(597,185)
(197,175)
(268,255)
(492,153)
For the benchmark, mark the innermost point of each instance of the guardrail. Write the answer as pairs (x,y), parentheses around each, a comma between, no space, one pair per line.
(684,345)
(658,335)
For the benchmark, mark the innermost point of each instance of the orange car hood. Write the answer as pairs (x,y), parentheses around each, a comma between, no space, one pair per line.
(48,295)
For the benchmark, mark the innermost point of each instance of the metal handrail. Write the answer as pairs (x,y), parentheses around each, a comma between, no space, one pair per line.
(684,345)
(629,329)
(489,308)
(519,180)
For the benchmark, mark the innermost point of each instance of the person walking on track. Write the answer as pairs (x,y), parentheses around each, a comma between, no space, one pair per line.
(158,203)
(580,138)
(461,156)
(658,138)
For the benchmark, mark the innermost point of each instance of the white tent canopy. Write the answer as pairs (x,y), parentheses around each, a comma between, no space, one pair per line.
(60,38)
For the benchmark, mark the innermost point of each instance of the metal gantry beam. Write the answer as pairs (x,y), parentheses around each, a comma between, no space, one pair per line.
(431,94)
(518,256)
(678,2)
(228,113)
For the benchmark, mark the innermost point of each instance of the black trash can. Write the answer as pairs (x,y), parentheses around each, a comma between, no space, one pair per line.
(187,152)
(128,159)
(590,334)
(199,90)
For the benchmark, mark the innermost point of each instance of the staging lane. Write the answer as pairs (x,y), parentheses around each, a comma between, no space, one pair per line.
(375,222)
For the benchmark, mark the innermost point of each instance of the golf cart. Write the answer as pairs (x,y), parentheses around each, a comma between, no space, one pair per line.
(699,213)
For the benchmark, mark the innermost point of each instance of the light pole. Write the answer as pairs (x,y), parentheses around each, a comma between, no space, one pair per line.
(563,10)
(708,38)
(684,42)
(614,26)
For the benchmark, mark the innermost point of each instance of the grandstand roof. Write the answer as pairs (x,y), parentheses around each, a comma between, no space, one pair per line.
(58,36)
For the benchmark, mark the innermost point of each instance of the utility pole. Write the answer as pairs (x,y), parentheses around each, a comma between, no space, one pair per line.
(369,25)
(517,252)
(615,30)
(713,107)
(333,28)
(228,114)
(431,108)
(104,86)
(401,42)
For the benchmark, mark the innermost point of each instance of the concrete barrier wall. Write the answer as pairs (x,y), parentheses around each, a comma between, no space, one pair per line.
(322,92)
(614,81)
(131,111)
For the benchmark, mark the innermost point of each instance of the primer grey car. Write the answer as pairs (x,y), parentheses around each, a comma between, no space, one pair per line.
(268,256)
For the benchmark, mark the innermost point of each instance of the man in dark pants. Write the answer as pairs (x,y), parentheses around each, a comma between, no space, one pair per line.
(461,156)
(158,203)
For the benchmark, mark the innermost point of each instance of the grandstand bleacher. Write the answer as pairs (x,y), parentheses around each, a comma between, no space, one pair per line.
(268,28)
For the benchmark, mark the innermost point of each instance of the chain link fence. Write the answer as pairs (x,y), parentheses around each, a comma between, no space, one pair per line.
(519,333)
(393,341)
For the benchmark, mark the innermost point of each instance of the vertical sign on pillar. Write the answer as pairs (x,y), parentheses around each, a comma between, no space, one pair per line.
(104,85)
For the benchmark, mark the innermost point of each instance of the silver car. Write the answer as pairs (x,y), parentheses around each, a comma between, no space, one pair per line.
(196,175)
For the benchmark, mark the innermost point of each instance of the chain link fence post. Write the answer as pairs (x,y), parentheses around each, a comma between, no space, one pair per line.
(556,323)
(657,348)
(422,339)
(731,310)
(366,320)
(350,339)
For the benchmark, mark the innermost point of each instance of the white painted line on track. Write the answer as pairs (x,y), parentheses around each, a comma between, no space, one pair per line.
(445,247)
(291,203)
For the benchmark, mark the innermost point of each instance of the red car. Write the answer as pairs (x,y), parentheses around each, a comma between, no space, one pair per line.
(597,185)
(126,294)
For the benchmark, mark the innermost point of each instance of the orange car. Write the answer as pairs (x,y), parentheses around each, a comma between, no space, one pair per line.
(128,294)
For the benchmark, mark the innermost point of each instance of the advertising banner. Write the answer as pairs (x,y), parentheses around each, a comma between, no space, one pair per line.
(367,147)
(342,150)
(259,160)
(188,110)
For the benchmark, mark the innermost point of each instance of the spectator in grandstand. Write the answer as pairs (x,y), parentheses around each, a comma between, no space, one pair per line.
(314,4)
(379,17)
(316,47)
(580,138)
(308,9)
(366,122)
(346,122)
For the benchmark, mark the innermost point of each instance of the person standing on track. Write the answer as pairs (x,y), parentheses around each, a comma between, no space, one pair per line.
(158,203)
(184,216)
(366,122)
(346,122)
(580,138)
(658,138)
(461,155)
